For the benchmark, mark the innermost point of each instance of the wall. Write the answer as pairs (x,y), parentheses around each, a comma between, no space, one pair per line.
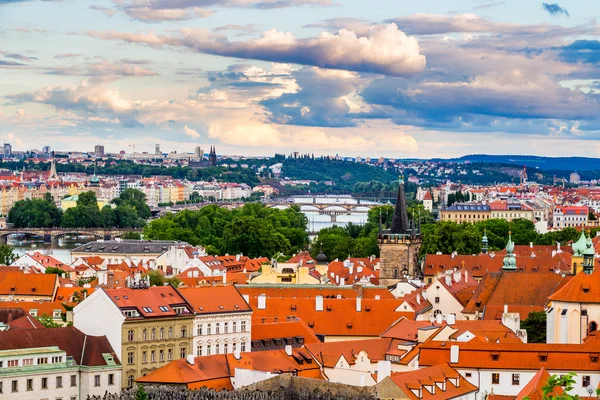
(220,339)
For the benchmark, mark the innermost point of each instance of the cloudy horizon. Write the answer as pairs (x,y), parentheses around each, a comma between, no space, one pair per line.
(258,77)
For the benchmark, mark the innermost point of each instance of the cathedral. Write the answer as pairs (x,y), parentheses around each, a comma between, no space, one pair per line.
(399,246)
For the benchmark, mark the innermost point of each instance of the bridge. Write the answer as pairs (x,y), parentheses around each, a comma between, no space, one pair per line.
(53,234)
(332,206)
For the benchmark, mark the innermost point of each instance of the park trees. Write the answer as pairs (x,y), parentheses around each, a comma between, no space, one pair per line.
(35,213)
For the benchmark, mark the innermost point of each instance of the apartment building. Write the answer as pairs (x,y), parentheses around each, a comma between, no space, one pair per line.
(58,363)
(147,326)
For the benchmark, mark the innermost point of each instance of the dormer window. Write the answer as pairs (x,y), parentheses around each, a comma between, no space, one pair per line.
(495,356)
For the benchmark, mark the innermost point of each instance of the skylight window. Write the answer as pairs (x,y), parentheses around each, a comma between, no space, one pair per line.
(164,308)
(147,309)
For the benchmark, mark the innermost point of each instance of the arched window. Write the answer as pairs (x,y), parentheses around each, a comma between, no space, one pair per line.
(437,312)
(593,327)
(130,381)
(162,333)
(145,334)
(170,332)
(130,335)
(153,333)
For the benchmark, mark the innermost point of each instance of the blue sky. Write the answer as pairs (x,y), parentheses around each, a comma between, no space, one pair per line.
(393,78)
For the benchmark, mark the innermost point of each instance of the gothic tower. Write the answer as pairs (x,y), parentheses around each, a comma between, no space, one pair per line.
(399,246)
(212,157)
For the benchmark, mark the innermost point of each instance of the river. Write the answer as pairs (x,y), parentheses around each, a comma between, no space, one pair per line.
(58,250)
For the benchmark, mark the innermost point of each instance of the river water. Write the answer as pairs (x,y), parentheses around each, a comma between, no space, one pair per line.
(59,250)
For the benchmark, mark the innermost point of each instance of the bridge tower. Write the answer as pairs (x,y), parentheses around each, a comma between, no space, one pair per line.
(399,246)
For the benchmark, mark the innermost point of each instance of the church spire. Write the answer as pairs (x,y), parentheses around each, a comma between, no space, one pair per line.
(510,261)
(400,221)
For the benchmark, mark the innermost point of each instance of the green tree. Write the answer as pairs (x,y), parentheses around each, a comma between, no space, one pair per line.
(56,270)
(34,213)
(132,235)
(535,325)
(141,393)
(87,199)
(48,321)
(136,199)
(7,255)
(566,383)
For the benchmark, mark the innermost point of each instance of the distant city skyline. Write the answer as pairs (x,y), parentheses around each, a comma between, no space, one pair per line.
(258,77)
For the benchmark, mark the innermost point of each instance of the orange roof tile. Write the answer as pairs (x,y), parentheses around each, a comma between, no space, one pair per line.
(329,353)
(286,329)
(155,301)
(14,283)
(215,299)
(310,292)
(583,288)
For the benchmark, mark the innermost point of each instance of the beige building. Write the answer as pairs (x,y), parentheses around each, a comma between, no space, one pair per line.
(470,213)
(293,273)
(148,327)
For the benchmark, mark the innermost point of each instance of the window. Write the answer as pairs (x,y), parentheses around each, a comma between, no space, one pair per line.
(170,355)
(182,352)
(234,326)
(170,332)
(0,387)
(59,381)
(495,357)
(585,381)
(243,347)
(147,310)
(208,350)
(234,347)
(226,348)
(144,356)
(153,356)
(468,375)
(27,361)
(44,383)
(111,379)
(161,355)
(13,363)
(225,327)
(183,331)
(243,326)
(153,333)
(130,358)
(73,380)
(29,385)
(217,328)
(495,379)
(56,360)
(96,380)
(217,349)
(199,330)
(130,381)
(199,350)
(437,300)
(145,334)
(15,386)
(208,329)
(516,379)
(162,333)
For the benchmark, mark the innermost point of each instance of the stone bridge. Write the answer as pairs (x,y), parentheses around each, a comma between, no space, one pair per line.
(53,234)
(331,209)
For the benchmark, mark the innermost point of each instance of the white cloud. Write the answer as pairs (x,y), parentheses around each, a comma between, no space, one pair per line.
(191,132)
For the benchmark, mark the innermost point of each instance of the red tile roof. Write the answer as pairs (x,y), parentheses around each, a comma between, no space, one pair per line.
(46,308)
(14,283)
(215,299)
(583,288)
(405,329)
(85,350)
(310,291)
(26,322)
(428,382)
(286,329)
(328,354)
(147,302)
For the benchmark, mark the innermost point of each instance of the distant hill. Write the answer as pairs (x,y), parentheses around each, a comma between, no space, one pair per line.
(543,163)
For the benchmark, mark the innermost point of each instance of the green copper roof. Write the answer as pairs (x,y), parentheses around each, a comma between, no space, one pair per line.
(580,246)
(510,262)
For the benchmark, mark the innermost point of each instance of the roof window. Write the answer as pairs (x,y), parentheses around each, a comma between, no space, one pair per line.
(147,309)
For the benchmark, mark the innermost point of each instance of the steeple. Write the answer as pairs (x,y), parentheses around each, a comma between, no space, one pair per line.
(400,221)
(588,257)
(484,242)
(510,262)
(53,175)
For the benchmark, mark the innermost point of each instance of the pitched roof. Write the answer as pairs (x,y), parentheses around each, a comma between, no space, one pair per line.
(43,307)
(47,261)
(583,288)
(215,299)
(126,246)
(204,369)
(155,301)
(311,291)
(14,283)
(430,382)
(286,329)
(25,322)
(534,388)
(85,350)
(405,329)
(329,353)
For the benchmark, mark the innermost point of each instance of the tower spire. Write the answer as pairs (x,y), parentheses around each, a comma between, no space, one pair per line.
(400,221)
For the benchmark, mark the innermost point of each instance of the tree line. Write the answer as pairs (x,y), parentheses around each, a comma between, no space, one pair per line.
(253,230)
(129,210)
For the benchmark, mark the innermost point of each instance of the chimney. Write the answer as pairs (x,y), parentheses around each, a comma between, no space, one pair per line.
(438,319)
(451,319)
(457,275)
(237,354)
(384,369)
(466,276)
(531,245)
(288,349)
(247,298)
(237,257)
(262,301)
(319,303)
(454,352)
(358,304)
(351,268)
(505,308)
(190,359)
(224,276)
(448,280)
(358,269)
(342,281)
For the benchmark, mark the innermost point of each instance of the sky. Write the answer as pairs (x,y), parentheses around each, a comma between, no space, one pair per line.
(402,79)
